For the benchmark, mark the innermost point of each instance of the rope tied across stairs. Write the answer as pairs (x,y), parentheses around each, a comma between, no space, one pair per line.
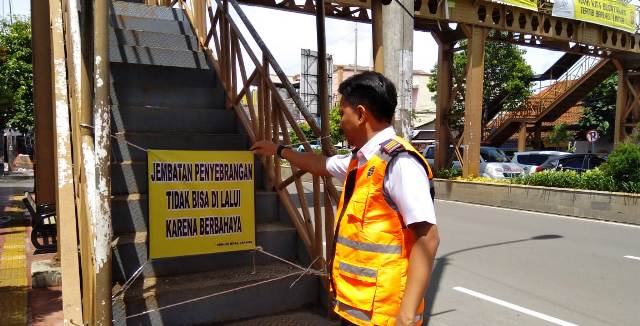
(302,272)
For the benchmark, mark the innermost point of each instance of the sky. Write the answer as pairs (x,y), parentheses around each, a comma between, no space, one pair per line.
(287,33)
(18,7)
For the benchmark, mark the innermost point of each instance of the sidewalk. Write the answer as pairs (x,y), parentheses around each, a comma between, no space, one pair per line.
(19,304)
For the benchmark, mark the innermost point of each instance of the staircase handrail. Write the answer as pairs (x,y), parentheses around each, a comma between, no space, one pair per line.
(225,46)
(536,105)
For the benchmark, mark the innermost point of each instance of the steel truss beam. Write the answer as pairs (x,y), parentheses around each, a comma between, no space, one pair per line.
(523,27)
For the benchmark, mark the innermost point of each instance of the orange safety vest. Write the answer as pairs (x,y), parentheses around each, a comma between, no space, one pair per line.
(372,245)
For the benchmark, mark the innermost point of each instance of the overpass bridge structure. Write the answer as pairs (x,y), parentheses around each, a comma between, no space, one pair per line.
(114,78)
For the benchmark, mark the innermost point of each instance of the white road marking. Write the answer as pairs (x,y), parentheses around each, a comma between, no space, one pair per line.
(514,307)
(543,214)
(632,257)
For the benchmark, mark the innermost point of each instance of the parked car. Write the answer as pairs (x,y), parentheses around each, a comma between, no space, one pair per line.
(573,162)
(531,161)
(493,162)
(300,148)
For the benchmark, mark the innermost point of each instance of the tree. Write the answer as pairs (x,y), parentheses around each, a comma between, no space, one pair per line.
(505,74)
(560,134)
(16,74)
(335,132)
(600,108)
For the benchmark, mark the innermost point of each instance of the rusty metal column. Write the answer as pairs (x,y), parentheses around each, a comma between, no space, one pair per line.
(323,92)
(376,36)
(621,105)
(42,104)
(443,101)
(397,37)
(522,137)
(473,100)
(200,22)
(99,200)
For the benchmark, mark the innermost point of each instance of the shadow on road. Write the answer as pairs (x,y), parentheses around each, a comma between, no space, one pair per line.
(442,262)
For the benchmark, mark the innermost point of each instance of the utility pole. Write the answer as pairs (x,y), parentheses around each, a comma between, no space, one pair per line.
(397,37)
(355,65)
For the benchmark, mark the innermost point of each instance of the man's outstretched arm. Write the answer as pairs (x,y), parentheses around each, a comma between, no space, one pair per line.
(310,162)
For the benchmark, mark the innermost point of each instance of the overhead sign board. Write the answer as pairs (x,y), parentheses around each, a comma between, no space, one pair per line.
(200,202)
(611,13)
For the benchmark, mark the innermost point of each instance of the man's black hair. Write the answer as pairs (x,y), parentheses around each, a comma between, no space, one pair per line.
(373,91)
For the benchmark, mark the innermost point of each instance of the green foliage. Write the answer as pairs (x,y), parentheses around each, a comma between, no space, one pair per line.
(623,165)
(343,151)
(505,71)
(306,130)
(634,138)
(560,134)
(16,74)
(335,132)
(448,173)
(550,178)
(334,125)
(600,108)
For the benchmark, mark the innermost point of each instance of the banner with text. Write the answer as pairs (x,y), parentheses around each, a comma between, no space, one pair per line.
(200,202)
(612,13)
(526,4)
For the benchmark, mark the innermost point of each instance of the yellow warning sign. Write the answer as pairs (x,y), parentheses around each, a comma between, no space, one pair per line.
(200,202)
(612,13)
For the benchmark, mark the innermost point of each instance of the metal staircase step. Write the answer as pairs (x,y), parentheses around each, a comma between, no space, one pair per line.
(151,25)
(130,212)
(157,56)
(171,119)
(146,76)
(307,317)
(131,251)
(153,39)
(141,10)
(264,299)
(168,95)
(132,146)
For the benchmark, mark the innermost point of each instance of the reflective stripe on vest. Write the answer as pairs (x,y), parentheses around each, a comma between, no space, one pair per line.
(372,252)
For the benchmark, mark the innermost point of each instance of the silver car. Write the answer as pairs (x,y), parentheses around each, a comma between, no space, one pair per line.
(531,161)
(493,163)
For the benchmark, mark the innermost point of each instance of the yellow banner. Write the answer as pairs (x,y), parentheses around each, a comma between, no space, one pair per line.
(200,202)
(612,13)
(526,4)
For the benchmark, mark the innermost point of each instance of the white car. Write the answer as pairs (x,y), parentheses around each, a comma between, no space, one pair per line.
(531,161)
(494,163)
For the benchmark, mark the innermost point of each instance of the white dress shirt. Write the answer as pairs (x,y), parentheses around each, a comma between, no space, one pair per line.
(406,184)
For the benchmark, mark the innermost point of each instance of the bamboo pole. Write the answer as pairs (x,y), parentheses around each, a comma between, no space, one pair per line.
(65,200)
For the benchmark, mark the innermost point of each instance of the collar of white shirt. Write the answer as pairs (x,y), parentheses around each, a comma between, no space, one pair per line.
(371,147)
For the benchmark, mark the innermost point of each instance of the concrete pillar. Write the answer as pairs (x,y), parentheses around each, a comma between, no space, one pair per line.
(473,100)
(397,38)
(443,101)
(522,137)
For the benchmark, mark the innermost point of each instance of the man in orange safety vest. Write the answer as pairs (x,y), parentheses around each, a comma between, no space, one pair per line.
(386,236)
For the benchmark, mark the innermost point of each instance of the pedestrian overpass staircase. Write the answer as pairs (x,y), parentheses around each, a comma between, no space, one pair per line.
(167,93)
(578,77)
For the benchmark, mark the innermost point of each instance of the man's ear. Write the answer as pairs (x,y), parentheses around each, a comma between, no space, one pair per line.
(362,113)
